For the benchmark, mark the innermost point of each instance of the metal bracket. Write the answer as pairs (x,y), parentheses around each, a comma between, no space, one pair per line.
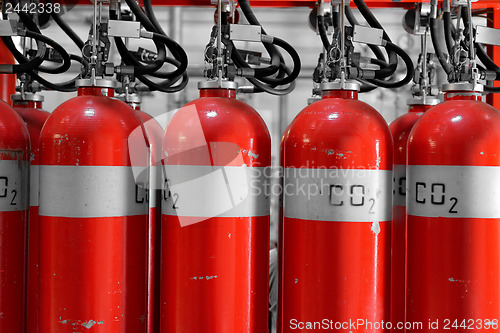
(8,28)
(485,35)
(247,33)
(126,29)
(367,35)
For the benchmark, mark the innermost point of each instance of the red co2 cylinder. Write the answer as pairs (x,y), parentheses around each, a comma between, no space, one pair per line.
(93,217)
(29,107)
(400,129)
(154,133)
(14,194)
(336,232)
(453,216)
(215,223)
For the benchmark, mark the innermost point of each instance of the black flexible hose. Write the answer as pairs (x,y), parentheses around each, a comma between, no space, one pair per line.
(353,21)
(150,13)
(480,51)
(410,69)
(180,61)
(370,18)
(487,61)
(66,28)
(45,40)
(437,46)
(30,25)
(285,75)
(373,22)
(160,42)
(57,47)
(448,35)
(322,32)
(25,65)
(260,87)
(274,53)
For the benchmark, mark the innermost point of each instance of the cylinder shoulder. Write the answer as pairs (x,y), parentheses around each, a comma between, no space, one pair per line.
(457,132)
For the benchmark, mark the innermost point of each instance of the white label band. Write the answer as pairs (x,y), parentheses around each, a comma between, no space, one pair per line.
(90,191)
(453,191)
(210,191)
(14,182)
(343,195)
(399,185)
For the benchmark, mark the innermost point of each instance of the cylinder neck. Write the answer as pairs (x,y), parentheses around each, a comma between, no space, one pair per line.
(96,91)
(219,92)
(27,105)
(418,108)
(345,94)
(463,96)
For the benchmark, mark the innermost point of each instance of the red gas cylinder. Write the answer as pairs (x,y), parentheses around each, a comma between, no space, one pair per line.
(29,108)
(215,223)
(154,133)
(14,194)
(336,232)
(93,217)
(453,217)
(400,129)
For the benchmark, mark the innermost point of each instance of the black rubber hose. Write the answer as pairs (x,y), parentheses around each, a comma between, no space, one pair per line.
(139,68)
(373,22)
(274,53)
(437,46)
(282,77)
(66,28)
(261,87)
(45,40)
(165,86)
(177,51)
(141,16)
(150,13)
(151,24)
(295,58)
(480,51)
(448,35)
(30,25)
(25,64)
(336,19)
(283,70)
(67,86)
(173,46)
(322,32)
(375,49)
(370,18)
(410,69)
(487,61)
(57,47)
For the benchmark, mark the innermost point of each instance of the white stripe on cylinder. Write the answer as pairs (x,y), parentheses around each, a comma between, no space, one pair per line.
(341,195)
(399,185)
(210,191)
(14,182)
(90,191)
(453,191)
